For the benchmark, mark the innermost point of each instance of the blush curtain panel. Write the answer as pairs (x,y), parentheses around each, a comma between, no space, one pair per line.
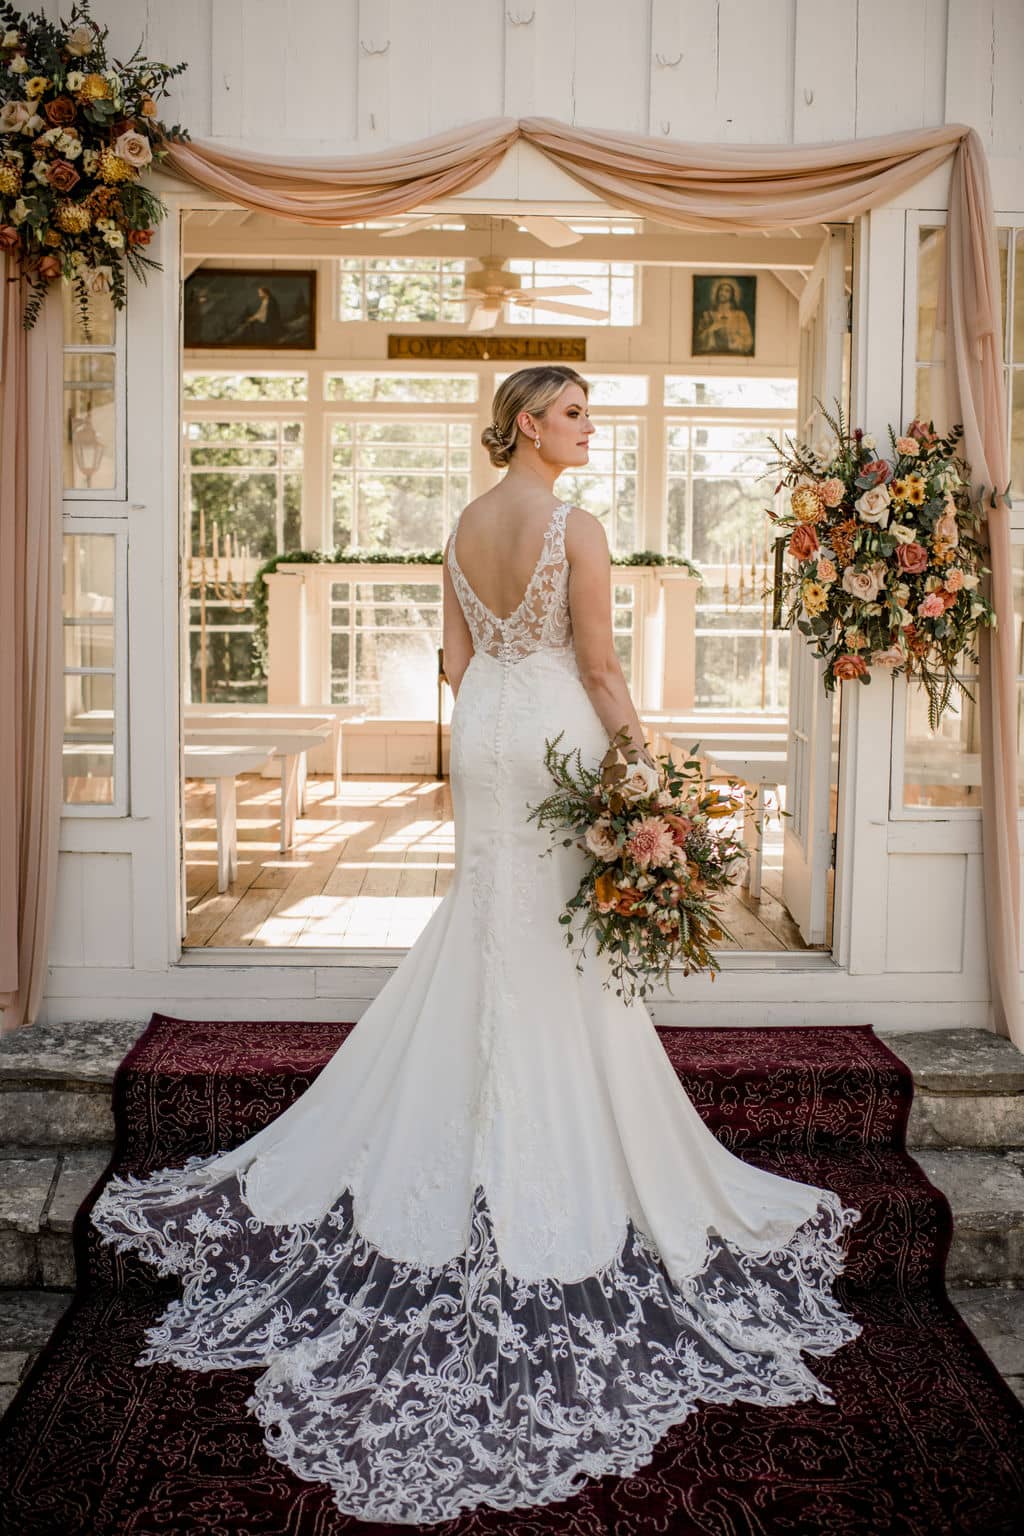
(733,189)
(31,709)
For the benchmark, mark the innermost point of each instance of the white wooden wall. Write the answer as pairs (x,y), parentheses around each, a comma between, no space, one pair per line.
(336,73)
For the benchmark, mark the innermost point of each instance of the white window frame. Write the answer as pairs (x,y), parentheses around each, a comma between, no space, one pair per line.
(373,411)
(77,524)
(898,811)
(91,500)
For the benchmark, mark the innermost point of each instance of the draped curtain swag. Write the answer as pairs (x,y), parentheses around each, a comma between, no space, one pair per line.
(711,188)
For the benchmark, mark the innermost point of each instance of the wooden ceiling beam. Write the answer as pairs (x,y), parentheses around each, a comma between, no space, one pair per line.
(270,240)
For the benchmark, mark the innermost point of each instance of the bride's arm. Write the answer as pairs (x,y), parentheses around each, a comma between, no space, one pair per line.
(590,608)
(456,638)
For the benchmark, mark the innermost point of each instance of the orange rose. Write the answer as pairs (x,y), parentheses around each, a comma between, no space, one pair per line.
(627,900)
(803,542)
(60,112)
(848,667)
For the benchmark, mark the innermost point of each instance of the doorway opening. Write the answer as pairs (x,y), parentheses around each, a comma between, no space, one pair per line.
(334,387)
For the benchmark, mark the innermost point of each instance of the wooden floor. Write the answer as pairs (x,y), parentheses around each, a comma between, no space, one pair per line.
(369,868)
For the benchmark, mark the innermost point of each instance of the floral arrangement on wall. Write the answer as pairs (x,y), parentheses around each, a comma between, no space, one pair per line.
(657,855)
(78,132)
(888,557)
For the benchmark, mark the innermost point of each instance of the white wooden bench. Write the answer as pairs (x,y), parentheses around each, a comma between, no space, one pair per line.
(289,745)
(224,764)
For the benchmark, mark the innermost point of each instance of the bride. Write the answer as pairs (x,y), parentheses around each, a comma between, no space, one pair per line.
(493,1250)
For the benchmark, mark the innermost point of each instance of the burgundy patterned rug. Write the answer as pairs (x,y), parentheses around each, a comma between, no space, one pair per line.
(924,1438)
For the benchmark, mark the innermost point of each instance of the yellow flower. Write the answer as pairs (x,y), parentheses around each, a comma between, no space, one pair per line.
(35,86)
(814,596)
(111,168)
(94,88)
(806,504)
(10,179)
(916,491)
(898,489)
(73,218)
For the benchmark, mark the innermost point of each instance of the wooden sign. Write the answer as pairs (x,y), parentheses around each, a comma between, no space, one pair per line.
(532,349)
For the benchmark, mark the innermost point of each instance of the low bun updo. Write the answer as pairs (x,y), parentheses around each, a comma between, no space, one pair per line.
(528,389)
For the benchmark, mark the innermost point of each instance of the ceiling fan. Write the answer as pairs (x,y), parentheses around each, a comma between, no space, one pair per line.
(489,286)
(551,231)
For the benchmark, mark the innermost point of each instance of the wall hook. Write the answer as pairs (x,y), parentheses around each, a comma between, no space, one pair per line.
(666,126)
(668,63)
(367,49)
(520,21)
(808,96)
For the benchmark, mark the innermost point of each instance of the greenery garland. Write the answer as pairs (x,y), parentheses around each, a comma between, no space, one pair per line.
(349,555)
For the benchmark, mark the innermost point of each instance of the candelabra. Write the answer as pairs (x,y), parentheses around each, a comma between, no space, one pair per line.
(227,583)
(748,593)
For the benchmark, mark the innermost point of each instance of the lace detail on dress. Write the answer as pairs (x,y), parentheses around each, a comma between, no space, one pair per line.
(541,621)
(418,1392)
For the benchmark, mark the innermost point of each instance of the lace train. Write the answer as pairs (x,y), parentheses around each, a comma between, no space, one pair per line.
(419,1392)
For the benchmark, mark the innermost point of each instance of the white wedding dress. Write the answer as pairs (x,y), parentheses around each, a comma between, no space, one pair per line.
(493,1250)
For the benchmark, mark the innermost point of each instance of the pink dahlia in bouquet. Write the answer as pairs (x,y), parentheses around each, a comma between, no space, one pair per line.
(887,556)
(657,856)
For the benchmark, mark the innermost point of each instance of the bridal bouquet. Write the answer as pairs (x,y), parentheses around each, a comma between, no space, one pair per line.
(888,559)
(77,132)
(656,860)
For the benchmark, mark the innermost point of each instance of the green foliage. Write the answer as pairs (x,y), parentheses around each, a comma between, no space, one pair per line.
(260,598)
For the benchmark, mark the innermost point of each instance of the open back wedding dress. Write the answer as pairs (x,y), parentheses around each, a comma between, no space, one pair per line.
(493,1250)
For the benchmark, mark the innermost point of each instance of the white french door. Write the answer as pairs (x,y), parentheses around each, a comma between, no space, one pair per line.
(823,377)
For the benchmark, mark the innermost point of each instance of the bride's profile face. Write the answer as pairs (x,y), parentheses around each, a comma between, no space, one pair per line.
(566,428)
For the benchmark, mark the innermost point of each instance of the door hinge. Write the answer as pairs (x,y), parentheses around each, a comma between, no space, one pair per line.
(832,855)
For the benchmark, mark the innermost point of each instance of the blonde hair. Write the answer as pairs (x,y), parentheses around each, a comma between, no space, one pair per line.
(528,389)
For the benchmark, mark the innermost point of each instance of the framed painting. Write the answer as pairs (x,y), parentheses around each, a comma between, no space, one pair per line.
(236,308)
(723,316)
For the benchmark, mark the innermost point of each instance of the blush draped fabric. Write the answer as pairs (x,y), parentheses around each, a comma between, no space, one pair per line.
(30,649)
(724,189)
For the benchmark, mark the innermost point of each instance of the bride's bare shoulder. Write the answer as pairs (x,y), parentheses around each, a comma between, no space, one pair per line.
(584,534)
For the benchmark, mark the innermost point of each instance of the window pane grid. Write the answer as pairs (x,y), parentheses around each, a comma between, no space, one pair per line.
(398,484)
(384,638)
(718,488)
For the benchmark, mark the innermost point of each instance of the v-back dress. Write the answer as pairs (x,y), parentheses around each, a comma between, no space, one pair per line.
(492,1250)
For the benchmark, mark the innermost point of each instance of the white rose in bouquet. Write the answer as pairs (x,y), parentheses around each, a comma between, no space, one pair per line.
(14,115)
(873,506)
(601,840)
(80,41)
(641,780)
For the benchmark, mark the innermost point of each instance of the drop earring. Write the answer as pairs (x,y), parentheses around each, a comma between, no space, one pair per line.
(536,442)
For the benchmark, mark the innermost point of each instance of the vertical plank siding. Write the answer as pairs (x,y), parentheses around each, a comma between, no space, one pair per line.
(337,74)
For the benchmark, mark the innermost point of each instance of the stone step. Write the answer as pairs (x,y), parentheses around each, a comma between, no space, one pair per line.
(41,1189)
(27,1319)
(995,1315)
(56,1080)
(968,1088)
(55,1083)
(985,1191)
